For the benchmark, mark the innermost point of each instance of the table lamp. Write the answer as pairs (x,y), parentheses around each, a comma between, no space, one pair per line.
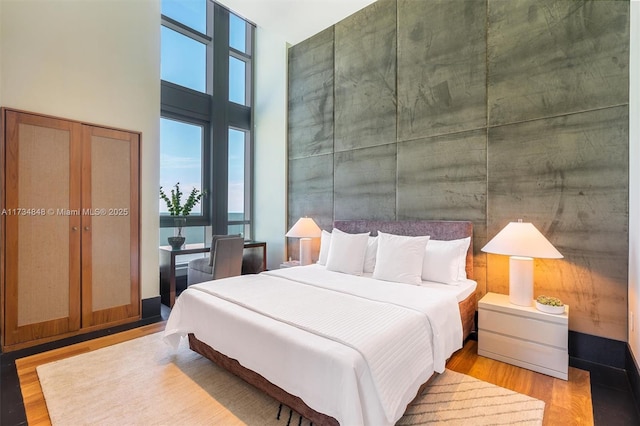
(305,229)
(523,242)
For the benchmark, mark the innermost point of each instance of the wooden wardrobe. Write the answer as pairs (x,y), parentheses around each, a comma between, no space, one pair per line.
(70,228)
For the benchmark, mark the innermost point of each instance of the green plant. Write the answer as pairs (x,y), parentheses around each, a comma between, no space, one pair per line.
(549,301)
(174,205)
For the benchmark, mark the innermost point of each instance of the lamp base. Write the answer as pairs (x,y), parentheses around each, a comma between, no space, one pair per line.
(521,280)
(305,251)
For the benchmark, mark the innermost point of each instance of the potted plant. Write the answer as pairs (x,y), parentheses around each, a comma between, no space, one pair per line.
(179,211)
(550,305)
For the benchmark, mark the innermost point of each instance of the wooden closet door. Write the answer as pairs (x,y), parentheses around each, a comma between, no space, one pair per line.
(42,227)
(110,226)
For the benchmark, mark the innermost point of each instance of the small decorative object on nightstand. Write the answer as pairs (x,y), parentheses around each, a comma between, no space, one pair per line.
(523,335)
(550,305)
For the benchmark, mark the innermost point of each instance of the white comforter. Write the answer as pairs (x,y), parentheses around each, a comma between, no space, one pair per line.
(326,337)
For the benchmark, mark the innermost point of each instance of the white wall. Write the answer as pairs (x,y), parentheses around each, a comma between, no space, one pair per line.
(295,20)
(270,154)
(634,182)
(96,61)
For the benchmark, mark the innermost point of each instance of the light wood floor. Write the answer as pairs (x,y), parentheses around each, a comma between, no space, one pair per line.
(567,402)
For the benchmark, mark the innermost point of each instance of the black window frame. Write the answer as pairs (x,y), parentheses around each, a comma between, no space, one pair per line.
(217,114)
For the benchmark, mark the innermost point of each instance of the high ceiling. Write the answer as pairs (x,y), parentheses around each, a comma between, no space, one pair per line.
(295,20)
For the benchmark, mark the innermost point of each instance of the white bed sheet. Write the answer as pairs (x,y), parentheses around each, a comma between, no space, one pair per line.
(307,365)
(462,289)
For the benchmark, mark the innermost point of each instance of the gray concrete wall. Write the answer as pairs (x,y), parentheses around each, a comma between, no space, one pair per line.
(483,111)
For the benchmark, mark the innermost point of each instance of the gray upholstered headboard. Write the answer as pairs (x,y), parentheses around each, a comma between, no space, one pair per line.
(436,229)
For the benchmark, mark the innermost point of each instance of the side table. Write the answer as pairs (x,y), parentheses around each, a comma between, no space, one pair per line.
(523,335)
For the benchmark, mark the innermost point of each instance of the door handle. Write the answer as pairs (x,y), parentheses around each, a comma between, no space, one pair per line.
(75,228)
(86,228)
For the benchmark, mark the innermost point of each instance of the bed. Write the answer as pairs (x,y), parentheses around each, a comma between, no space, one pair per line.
(283,331)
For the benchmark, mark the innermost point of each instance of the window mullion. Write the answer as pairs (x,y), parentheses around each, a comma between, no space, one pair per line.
(220,119)
(185,30)
(240,55)
(248,175)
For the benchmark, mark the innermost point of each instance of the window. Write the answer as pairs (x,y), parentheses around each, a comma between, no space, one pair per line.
(183,60)
(238,29)
(239,60)
(239,202)
(192,13)
(181,149)
(237,80)
(205,130)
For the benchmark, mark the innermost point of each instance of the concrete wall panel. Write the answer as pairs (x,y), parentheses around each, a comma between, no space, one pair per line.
(311,96)
(311,189)
(443,177)
(441,73)
(551,57)
(365,78)
(365,183)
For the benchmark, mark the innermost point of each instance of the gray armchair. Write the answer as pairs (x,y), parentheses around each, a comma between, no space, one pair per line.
(224,261)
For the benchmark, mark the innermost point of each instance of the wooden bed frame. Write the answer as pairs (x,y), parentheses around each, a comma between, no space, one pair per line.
(438,230)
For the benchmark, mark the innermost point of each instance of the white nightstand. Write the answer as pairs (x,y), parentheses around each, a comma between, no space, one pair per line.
(523,336)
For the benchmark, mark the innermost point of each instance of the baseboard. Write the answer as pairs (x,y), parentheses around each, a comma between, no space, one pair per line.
(598,350)
(634,377)
(151,307)
(609,362)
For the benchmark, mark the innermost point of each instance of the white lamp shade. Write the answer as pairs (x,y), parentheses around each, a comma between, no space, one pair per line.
(305,227)
(521,239)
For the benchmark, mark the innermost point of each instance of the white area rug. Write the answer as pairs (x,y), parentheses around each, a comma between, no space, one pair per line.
(144,382)
(457,399)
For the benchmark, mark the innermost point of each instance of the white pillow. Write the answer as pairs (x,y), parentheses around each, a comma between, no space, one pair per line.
(445,261)
(370,255)
(346,252)
(399,258)
(325,243)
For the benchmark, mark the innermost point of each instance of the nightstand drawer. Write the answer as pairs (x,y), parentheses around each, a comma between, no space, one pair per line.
(523,353)
(536,331)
